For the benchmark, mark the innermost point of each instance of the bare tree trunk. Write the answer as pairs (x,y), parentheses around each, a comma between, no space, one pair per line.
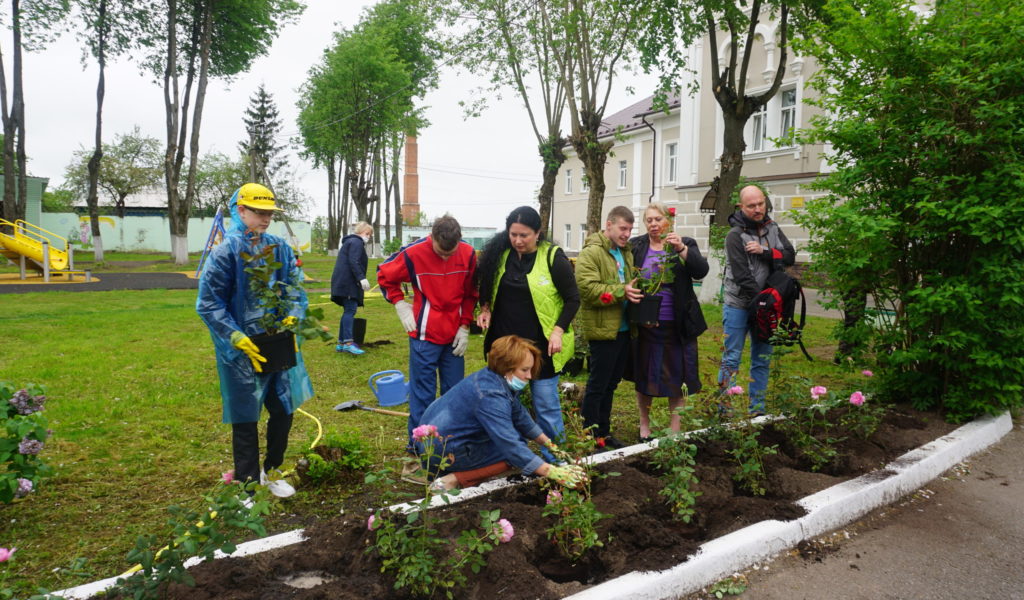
(343,170)
(332,205)
(9,212)
(732,166)
(97,154)
(171,107)
(552,155)
(197,117)
(594,154)
(18,108)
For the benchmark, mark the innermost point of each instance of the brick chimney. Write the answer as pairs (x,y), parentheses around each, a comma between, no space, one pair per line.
(411,197)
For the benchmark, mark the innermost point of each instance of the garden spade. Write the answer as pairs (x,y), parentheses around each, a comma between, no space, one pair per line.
(354,404)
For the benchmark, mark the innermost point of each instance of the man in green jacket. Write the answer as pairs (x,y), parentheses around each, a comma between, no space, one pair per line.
(604,275)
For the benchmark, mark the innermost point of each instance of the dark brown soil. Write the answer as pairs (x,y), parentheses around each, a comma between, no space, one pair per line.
(641,534)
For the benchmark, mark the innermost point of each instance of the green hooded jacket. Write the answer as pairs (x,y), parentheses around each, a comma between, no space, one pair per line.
(601,293)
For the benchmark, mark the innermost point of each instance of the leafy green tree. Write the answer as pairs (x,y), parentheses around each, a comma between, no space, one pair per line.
(512,50)
(356,96)
(593,42)
(669,26)
(925,116)
(217,177)
(131,163)
(194,40)
(58,201)
(109,28)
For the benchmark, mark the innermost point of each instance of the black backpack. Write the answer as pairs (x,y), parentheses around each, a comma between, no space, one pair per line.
(772,312)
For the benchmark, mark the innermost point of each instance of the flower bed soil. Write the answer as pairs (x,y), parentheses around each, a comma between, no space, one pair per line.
(641,534)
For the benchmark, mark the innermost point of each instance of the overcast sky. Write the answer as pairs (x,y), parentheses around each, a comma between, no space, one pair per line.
(478,170)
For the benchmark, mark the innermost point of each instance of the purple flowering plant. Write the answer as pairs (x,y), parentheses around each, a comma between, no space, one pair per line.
(23,436)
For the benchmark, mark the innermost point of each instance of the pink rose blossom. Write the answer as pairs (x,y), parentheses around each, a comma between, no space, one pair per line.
(369,522)
(5,554)
(554,497)
(228,476)
(734,390)
(857,398)
(818,391)
(506,531)
(424,432)
(867,373)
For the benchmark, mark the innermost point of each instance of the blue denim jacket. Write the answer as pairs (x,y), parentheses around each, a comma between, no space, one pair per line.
(481,422)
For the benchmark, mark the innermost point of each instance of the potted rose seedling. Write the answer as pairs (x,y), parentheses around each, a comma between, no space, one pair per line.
(278,299)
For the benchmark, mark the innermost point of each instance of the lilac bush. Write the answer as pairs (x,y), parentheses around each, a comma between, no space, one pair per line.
(23,435)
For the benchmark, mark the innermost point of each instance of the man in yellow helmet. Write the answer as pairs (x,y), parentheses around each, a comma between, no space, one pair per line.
(232,313)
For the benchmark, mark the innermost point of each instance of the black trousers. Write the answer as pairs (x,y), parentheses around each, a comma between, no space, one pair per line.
(607,363)
(245,442)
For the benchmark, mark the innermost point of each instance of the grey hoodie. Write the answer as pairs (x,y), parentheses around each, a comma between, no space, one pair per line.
(745,273)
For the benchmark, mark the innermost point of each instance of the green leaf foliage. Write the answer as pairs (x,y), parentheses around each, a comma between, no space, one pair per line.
(924,112)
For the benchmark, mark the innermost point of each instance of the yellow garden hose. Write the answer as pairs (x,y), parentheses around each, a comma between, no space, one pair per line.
(213,515)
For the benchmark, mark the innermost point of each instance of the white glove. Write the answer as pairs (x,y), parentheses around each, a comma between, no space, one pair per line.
(461,341)
(365,285)
(404,310)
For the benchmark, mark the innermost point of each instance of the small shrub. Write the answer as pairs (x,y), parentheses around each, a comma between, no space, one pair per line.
(337,454)
(23,435)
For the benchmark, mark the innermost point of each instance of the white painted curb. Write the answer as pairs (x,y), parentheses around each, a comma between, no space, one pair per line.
(826,510)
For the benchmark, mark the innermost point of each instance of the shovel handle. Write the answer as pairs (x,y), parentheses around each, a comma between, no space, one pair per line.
(383,411)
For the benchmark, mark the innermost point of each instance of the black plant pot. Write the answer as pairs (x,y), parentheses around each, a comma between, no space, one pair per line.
(359,330)
(278,349)
(474,328)
(646,311)
(573,366)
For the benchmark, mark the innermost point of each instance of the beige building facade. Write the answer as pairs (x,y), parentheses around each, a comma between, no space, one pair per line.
(674,157)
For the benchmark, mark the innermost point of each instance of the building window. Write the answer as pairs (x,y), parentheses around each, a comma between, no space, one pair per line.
(672,160)
(568,235)
(788,115)
(622,174)
(583,234)
(584,183)
(759,129)
(568,181)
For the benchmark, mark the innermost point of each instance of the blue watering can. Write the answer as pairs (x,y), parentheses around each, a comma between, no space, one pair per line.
(391,387)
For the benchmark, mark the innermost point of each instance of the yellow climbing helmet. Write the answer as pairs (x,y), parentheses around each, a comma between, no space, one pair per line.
(256,196)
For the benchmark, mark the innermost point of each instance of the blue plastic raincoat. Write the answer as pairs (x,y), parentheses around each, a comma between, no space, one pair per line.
(226,305)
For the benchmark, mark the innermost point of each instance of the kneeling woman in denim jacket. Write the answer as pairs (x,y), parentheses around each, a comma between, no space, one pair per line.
(481,425)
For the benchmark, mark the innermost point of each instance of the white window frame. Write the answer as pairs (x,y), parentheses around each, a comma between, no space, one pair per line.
(584,183)
(568,235)
(568,181)
(672,162)
(583,234)
(787,113)
(623,174)
(759,130)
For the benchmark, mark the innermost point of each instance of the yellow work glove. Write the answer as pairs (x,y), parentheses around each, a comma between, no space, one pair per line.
(570,475)
(242,342)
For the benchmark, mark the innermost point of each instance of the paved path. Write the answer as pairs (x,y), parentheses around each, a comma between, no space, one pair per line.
(960,537)
(108,282)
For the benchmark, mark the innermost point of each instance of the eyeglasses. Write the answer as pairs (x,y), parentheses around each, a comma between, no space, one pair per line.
(258,212)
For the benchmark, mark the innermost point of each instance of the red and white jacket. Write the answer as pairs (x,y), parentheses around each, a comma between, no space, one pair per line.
(443,292)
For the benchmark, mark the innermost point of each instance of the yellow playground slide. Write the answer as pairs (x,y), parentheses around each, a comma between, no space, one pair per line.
(22,238)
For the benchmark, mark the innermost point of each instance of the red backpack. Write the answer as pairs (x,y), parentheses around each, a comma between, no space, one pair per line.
(772,311)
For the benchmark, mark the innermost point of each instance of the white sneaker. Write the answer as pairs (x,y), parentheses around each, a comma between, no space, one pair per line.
(277,487)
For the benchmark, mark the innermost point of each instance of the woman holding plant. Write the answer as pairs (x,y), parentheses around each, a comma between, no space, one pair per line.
(664,355)
(477,430)
(234,310)
(528,289)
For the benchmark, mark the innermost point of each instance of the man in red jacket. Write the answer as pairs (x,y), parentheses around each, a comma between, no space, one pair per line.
(440,268)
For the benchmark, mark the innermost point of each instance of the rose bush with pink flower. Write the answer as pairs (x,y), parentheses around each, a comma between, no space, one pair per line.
(23,436)
(5,554)
(857,398)
(818,391)
(735,390)
(424,432)
(507,531)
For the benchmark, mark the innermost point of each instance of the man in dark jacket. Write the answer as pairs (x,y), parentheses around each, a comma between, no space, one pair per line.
(751,247)
(348,283)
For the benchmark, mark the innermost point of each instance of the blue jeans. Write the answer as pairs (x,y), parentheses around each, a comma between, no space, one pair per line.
(547,410)
(734,324)
(426,361)
(345,334)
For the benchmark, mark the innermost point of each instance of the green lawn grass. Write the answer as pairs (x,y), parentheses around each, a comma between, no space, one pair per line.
(134,404)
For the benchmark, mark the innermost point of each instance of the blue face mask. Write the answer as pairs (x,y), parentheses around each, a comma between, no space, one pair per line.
(516,384)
